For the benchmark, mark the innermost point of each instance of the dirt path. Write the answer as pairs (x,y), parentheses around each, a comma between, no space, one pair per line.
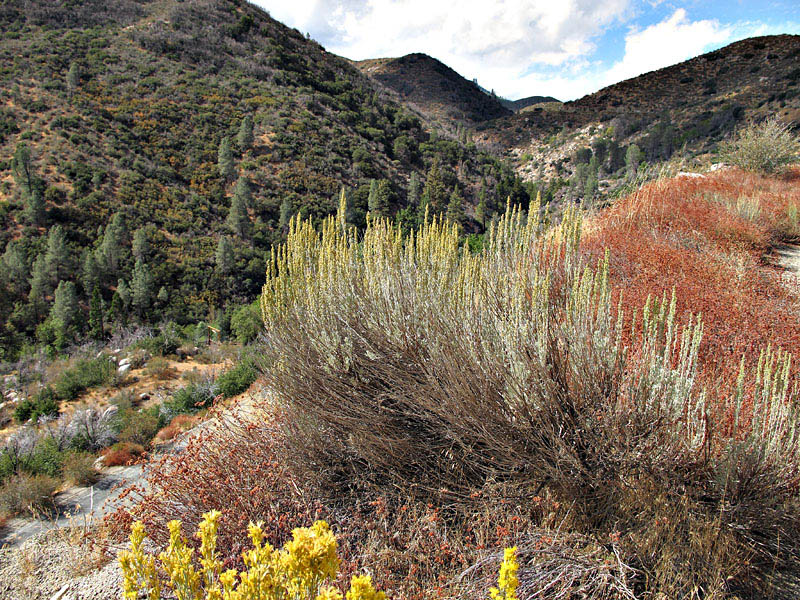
(789,258)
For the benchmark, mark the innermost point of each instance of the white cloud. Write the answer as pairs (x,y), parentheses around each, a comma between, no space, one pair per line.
(671,41)
(493,40)
(516,47)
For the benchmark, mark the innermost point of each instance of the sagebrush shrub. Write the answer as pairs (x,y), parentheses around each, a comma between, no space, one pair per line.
(236,380)
(411,360)
(765,147)
(23,493)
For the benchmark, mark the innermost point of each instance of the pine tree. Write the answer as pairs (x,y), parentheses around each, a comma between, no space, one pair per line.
(285,214)
(65,312)
(22,167)
(35,207)
(633,157)
(15,269)
(455,207)
(73,78)
(245,136)
(412,199)
(116,312)
(141,244)
(112,251)
(434,193)
(225,158)
(238,220)
(124,293)
(162,296)
(90,273)
(141,288)
(40,285)
(96,314)
(224,258)
(590,187)
(242,190)
(56,256)
(378,199)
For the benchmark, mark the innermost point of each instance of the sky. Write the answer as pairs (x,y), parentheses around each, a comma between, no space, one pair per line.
(519,48)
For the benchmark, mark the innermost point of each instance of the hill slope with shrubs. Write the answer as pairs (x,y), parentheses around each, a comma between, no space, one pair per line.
(158,149)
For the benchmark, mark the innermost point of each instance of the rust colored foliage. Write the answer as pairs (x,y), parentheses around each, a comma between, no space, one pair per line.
(710,239)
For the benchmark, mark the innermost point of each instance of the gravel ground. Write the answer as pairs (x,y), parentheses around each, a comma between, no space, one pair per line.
(58,565)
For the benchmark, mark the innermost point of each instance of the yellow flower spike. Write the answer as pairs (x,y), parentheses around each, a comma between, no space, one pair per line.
(209,560)
(138,569)
(507,581)
(327,592)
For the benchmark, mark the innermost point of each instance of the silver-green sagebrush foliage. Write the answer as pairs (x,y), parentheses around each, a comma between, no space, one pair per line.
(412,360)
(765,147)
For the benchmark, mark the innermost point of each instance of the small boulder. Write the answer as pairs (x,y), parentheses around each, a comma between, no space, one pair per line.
(124,361)
(123,369)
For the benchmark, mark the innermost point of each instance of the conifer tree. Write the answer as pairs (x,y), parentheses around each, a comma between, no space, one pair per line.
(162,296)
(245,136)
(40,285)
(15,269)
(242,190)
(455,207)
(22,167)
(225,158)
(224,256)
(96,314)
(124,293)
(35,207)
(434,193)
(378,199)
(56,256)
(141,244)
(412,199)
(65,311)
(112,251)
(633,157)
(238,220)
(141,288)
(73,78)
(285,214)
(90,272)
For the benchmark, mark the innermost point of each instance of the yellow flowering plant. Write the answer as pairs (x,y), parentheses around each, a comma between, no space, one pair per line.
(507,580)
(304,569)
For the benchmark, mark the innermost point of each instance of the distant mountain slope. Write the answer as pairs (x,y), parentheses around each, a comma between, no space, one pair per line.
(518,105)
(685,108)
(434,88)
(123,106)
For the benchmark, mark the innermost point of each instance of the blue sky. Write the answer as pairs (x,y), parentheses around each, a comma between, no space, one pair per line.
(563,48)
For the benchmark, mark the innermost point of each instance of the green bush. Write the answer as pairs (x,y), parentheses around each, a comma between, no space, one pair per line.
(237,380)
(765,147)
(79,468)
(246,323)
(23,493)
(85,374)
(139,427)
(44,404)
(189,399)
(46,459)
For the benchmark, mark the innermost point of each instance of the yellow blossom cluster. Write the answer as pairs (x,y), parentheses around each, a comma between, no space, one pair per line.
(303,570)
(507,580)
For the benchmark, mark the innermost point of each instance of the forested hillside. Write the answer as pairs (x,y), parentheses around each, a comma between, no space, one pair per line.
(152,152)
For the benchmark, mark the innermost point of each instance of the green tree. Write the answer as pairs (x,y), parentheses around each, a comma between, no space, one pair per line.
(22,167)
(225,158)
(238,220)
(412,198)
(455,207)
(124,292)
(245,136)
(162,296)
(65,312)
(633,157)
(112,250)
(141,244)
(141,288)
(285,214)
(243,190)
(57,255)
(96,314)
(224,256)
(378,199)
(90,273)
(73,78)
(434,194)
(40,284)
(35,207)
(590,187)
(15,269)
